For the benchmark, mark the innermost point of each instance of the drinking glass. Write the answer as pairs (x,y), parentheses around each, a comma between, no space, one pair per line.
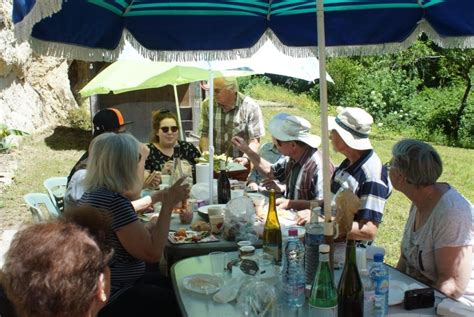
(217,259)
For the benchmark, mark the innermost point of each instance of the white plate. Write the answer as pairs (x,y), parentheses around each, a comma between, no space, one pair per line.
(203,283)
(396,292)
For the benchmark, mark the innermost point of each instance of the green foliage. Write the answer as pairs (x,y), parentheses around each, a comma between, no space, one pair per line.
(79,118)
(437,117)
(5,144)
(248,83)
(262,89)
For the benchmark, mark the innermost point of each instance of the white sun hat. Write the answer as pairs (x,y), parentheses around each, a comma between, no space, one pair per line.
(286,127)
(353,125)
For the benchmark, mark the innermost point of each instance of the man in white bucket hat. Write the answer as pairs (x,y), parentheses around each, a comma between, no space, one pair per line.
(362,171)
(300,168)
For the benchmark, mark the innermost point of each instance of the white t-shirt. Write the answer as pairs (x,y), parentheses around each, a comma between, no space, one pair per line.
(449,225)
(75,189)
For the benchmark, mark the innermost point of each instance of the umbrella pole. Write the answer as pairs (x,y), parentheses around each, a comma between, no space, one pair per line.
(323,100)
(211,135)
(178,114)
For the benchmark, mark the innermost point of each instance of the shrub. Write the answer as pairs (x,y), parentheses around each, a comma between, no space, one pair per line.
(80,118)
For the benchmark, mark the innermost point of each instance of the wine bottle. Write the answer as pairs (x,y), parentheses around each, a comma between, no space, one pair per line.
(272,240)
(223,185)
(323,299)
(350,290)
(177,173)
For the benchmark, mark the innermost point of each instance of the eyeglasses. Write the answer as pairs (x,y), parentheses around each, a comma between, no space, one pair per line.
(166,129)
(389,165)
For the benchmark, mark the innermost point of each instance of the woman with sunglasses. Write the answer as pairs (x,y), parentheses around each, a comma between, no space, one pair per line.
(164,137)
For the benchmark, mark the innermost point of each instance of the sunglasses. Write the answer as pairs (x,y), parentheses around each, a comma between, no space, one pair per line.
(166,129)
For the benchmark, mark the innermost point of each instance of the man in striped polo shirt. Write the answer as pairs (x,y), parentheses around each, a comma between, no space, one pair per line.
(362,171)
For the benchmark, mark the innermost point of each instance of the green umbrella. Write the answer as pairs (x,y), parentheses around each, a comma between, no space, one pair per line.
(129,75)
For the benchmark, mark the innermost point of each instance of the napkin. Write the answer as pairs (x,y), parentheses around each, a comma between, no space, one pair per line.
(452,308)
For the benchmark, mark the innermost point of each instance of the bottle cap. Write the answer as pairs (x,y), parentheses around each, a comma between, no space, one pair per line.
(378,257)
(324,248)
(293,232)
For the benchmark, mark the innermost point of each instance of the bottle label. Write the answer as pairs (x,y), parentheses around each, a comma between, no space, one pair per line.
(323,311)
(381,285)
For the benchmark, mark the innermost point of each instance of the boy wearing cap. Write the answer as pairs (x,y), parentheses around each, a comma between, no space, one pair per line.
(234,114)
(106,120)
(362,171)
(300,168)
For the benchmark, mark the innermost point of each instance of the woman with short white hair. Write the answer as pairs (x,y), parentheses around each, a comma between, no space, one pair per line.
(114,175)
(437,241)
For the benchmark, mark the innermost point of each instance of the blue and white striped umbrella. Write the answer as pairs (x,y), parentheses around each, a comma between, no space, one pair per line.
(190,30)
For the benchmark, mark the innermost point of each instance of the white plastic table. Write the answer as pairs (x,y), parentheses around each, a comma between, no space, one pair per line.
(199,305)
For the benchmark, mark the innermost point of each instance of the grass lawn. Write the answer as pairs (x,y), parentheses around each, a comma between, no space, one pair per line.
(53,153)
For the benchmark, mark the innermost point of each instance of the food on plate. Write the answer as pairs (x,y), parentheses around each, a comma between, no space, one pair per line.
(217,158)
(187,236)
(200,225)
(347,205)
(181,232)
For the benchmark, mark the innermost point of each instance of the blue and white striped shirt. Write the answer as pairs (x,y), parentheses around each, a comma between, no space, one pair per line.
(368,179)
(124,268)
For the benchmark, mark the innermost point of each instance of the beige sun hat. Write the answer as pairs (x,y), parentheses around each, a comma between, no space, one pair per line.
(353,125)
(286,127)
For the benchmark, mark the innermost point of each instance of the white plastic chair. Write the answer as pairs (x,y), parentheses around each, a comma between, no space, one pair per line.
(37,203)
(56,187)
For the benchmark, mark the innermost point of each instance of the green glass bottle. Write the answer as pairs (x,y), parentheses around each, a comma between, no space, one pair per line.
(272,240)
(323,299)
(350,291)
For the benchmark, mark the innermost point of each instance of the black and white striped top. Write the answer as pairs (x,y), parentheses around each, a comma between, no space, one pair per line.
(124,268)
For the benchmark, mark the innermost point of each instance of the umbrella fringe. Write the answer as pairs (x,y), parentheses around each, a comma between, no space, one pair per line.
(461,42)
(41,10)
(74,52)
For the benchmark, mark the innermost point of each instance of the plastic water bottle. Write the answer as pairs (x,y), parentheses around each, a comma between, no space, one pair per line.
(314,236)
(293,277)
(379,276)
(369,293)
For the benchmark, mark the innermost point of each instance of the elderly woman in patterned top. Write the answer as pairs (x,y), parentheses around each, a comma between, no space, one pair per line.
(164,138)
(437,241)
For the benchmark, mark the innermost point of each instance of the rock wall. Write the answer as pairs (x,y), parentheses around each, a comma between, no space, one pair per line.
(34,90)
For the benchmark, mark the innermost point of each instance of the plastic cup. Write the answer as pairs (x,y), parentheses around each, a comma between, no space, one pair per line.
(214,211)
(217,223)
(165,179)
(217,259)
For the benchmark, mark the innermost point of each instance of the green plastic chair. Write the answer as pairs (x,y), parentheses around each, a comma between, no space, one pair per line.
(41,207)
(56,187)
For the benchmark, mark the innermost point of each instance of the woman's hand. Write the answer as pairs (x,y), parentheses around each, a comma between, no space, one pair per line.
(282,203)
(176,193)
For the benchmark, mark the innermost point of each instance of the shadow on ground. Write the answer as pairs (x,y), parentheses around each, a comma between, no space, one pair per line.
(67,138)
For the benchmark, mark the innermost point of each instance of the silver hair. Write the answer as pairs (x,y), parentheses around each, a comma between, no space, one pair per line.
(113,163)
(230,83)
(418,160)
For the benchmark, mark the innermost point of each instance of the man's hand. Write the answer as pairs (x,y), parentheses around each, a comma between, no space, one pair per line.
(244,161)
(240,144)
(271,184)
(283,203)
(303,216)
(252,186)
